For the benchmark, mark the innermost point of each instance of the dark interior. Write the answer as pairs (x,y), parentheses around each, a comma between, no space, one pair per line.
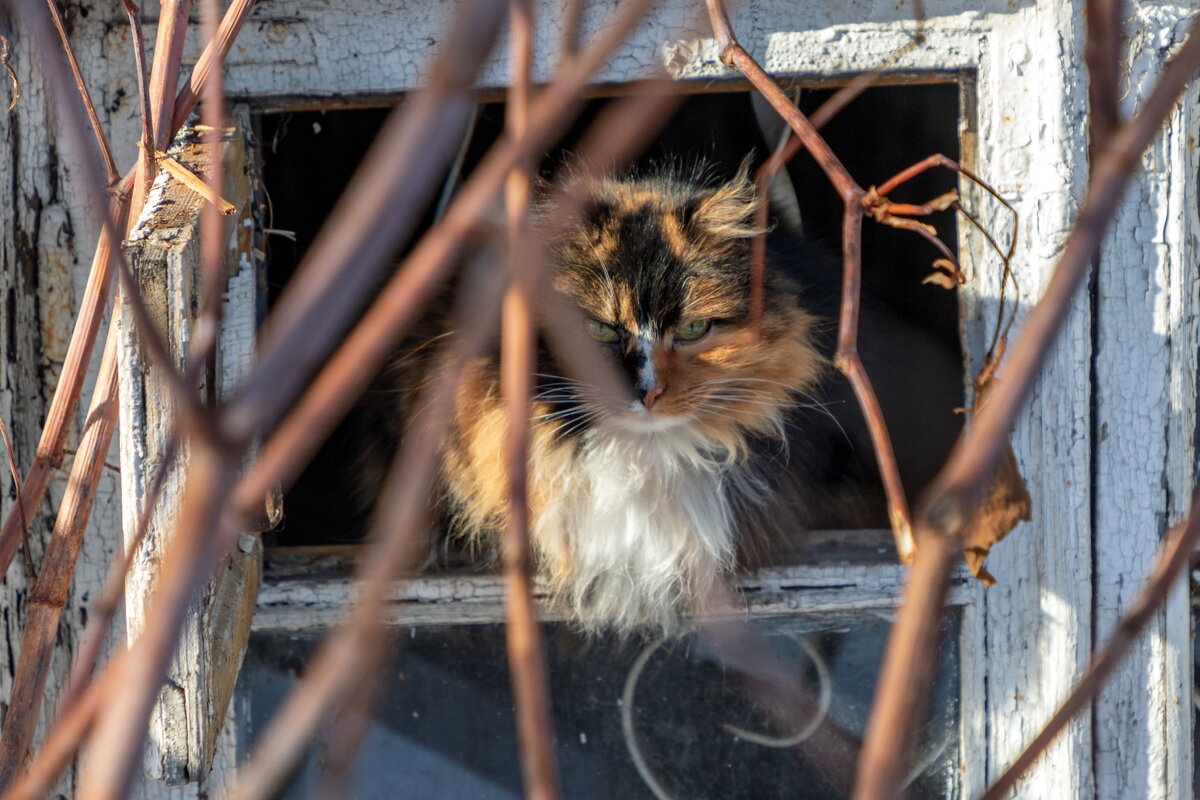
(309,158)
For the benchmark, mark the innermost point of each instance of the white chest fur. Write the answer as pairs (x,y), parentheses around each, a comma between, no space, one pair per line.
(648,520)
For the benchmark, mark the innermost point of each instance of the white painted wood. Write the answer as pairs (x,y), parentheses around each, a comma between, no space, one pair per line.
(1030,144)
(1145,364)
(308,49)
(298,602)
(973,693)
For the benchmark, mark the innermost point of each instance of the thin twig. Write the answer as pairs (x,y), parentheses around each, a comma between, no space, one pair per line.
(120,725)
(164,76)
(379,210)
(340,743)
(48,596)
(734,56)
(214,276)
(1102,53)
(144,105)
(357,650)
(614,135)
(49,453)
(63,738)
(397,304)
(572,14)
(93,119)
(112,592)
(211,58)
(330,394)
(14,472)
(48,456)
(308,316)
(58,747)
(121,734)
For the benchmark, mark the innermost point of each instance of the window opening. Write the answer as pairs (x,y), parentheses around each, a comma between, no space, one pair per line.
(633,716)
(309,157)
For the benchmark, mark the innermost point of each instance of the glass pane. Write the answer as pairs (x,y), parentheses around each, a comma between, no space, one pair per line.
(443,725)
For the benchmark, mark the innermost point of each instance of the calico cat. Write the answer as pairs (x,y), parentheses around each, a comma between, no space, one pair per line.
(726,444)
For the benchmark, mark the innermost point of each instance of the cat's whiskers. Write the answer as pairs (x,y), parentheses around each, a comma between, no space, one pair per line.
(612,288)
(570,429)
(813,404)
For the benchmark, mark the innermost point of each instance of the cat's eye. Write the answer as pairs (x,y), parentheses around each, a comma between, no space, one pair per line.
(693,330)
(601,332)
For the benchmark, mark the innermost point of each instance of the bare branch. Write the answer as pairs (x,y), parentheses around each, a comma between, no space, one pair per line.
(97,131)
(15,474)
(526,659)
(358,648)
(112,592)
(379,209)
(212,226)
(144,104)
(120,724)
(12,74)
(164,76)
(212,57)
(846,358)
(1102,53)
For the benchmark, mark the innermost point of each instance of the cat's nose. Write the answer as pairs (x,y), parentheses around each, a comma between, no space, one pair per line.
(652,396)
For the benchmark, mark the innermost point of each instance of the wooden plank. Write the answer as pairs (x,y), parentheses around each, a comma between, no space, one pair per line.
(164,253)
(1029,142)
(1145,366)
(300,52)
(300,48)
(318,597)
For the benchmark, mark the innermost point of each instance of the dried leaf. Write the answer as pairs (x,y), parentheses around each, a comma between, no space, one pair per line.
(1006,500)
(950,268)
(1005,504)
(940,279)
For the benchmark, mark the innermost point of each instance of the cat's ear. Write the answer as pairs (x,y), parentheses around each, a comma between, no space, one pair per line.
(728,210)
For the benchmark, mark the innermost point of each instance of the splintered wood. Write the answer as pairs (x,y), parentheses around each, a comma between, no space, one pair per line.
(163,249)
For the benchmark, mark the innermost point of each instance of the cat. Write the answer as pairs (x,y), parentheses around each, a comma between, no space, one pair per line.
(727,444)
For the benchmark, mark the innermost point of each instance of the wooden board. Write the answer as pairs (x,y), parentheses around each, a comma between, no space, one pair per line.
(163,250)
(1145,366)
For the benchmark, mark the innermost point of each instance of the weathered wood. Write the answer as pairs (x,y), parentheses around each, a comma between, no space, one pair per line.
(1028,139)
(164,252)
(1145,394)
(313,590)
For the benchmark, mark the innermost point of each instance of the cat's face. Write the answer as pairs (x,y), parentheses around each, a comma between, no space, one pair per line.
(660,268)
